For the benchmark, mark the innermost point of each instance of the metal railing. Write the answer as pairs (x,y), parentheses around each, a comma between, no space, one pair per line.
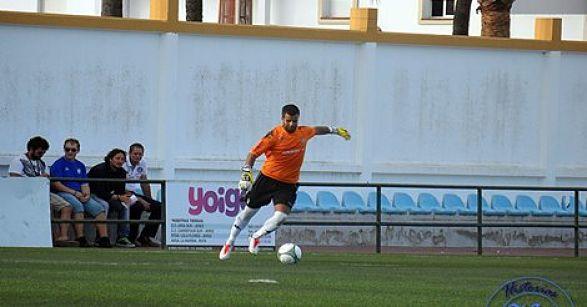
(479,224)
(378,223)
(161,183)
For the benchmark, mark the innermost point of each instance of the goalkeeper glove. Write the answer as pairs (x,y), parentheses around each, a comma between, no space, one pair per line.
(246,181)
(341,131)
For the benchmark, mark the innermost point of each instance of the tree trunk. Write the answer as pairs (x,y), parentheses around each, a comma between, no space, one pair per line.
(112,8)
(495,17)
(193,10)
(460,24)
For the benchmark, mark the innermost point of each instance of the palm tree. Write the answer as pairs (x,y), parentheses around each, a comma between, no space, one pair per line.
(193,10)
(460,25)
(495,17)
(112,8)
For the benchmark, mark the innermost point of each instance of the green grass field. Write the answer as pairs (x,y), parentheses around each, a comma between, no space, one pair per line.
(139,277)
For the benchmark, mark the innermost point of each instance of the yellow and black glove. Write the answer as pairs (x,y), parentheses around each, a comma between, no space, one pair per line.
(341,131)
(246,182)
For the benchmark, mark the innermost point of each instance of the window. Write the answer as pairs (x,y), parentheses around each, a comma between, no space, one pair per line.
(437,11)
(335,11)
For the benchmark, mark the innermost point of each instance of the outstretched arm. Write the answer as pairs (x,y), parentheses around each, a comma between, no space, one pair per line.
(321,130)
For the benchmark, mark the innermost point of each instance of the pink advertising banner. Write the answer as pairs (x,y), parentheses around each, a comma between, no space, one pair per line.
(201,214)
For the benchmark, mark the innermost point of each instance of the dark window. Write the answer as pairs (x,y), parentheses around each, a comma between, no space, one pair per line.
(437,8)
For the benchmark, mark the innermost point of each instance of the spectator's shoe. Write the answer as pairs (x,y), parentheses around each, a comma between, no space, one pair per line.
(66,243)
(225,252)
(254,245)
(146,241)
(103,242)
(124,242)
(83,242)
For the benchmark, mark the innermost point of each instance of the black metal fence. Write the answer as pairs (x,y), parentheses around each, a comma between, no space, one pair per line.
(479,224)
(378,223)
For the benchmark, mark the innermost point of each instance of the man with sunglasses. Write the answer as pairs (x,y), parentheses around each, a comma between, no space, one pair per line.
(77,193)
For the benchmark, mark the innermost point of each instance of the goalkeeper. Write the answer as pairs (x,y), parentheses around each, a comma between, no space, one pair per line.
(284,147)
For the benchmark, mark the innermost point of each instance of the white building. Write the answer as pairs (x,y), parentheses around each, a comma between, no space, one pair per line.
(410,16)
(423,109)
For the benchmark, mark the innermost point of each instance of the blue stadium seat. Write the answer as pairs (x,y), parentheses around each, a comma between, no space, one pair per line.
(501,206)
(327,202)
(427,202)
(159,195)
(525,206)
(454,202)
(304,202)
(548,206)
(353,201)
(472,204)
(403,203)
(570,208)
(372,204)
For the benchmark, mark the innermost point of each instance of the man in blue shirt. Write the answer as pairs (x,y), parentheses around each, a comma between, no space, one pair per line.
(77,193)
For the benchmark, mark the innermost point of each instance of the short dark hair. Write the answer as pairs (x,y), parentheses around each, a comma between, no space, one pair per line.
(290,109)
(136,145)
(37,142)
(113,153)
(72,140)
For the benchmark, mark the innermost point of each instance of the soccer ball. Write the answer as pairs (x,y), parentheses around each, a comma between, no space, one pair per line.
(289,253)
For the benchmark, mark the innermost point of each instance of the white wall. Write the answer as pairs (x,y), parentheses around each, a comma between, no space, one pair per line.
(537,7)
(92,81)
(20,5)
(198,103)
(25,214)
(76,7)
(480,111)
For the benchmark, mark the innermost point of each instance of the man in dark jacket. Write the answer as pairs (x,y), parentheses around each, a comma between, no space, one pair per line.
(114,193)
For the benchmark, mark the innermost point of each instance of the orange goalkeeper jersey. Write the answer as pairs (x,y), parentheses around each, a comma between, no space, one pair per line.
(284,151)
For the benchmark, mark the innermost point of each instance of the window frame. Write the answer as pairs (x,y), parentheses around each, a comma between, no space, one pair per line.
(425,14)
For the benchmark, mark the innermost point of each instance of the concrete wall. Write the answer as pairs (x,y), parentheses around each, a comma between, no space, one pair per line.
(429,237)
(25,213)
(198,103)
(394,236)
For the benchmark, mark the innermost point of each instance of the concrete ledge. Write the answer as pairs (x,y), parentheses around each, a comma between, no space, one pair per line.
(282,32)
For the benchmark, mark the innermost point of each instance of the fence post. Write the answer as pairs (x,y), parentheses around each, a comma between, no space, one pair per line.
(479,222)
(576,224)
(164,214)
(378,222)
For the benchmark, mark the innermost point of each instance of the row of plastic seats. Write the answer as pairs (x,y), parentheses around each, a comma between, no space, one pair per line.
(451,204)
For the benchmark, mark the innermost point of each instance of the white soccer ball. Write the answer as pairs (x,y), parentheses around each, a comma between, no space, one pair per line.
(289,253)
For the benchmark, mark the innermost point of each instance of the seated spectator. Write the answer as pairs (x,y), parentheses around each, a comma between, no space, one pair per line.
(136,168)
(78,193)
(114,193)
(30,164)
(63,209)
